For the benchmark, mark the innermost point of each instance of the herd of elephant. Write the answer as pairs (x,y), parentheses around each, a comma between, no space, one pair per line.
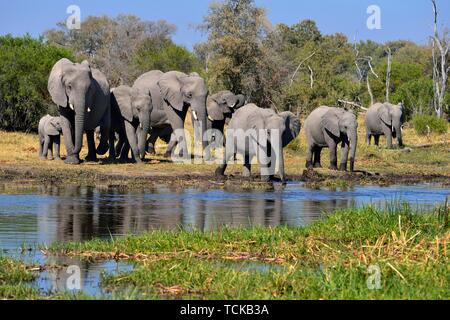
(156,106)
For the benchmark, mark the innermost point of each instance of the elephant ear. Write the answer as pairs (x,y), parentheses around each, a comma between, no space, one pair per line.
(54,126)
(122,95)
(56,86)
(330,121)
(170,86)
(385,115)
(214,111)
(292,127)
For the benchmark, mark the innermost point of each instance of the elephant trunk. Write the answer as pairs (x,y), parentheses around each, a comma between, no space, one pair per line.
(201,118)
(353,145)
(143,138)
(398,132)
(80,114)
(281,165)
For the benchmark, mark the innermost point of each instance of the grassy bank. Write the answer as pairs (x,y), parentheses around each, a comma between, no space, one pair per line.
(19,162)
(331,259)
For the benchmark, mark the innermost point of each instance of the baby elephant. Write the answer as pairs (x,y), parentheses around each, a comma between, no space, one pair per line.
(384,119)
(327,127)
(254,131)
(49,134)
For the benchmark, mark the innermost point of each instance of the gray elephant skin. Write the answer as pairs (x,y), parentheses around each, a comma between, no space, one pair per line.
(326,127)
(82,94)
(251,117)
(172,94)
(131,110)
(384,119)
(49,131)
(220,108)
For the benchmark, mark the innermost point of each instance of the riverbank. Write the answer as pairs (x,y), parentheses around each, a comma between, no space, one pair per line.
(424,160)
(339,257)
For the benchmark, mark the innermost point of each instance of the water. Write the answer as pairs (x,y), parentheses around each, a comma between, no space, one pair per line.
(45,215)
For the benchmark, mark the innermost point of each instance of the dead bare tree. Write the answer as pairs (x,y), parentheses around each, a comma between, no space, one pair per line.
(388,73)
(311,76)
(440,48)
(365,68)
(300,65)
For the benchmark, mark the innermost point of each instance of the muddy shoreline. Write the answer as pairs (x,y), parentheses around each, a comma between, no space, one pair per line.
(23,176)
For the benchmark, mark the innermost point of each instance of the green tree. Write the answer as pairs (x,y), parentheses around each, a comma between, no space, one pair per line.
(164,55)
(239,54)
(25,64)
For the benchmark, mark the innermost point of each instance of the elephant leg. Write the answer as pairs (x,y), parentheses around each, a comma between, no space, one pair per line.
(333,155)
(151,142)
(133,141)
(171,147)
(45,148)
(377,140)
(368,139)
(344,156)
(92,154)
(309,157)
(388,134)
(112,147)
(247,169)
(69,138)
(120,144)
(57,142)
(317,153)
(125,151)
(50,149)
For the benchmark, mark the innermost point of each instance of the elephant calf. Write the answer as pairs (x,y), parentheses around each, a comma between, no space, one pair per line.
(327,127)
(49,133)
(384,119)
(131,110)
(252,131)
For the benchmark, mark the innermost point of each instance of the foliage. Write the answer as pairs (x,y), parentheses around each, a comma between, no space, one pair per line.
(25,64)
(423,123)
(164,55)
(239,53)
(124,47)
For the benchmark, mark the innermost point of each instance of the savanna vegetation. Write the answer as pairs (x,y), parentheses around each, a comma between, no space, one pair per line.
(407,246)
(294,67)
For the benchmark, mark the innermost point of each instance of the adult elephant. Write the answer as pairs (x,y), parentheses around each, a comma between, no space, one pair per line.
(82,94)
(247,132)
(326,127)
(384,119)
(131,111)
(172,94)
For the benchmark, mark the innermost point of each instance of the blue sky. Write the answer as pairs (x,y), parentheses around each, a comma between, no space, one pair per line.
(401,19)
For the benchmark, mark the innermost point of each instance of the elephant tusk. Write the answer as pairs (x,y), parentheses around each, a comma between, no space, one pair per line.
(210,119)
(71,106)
(194,114)
(141,126)
(89,109)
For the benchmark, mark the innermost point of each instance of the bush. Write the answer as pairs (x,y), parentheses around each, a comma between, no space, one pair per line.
(25,64)
(436,125)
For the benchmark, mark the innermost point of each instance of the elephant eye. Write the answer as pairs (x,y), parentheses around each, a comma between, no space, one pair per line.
(189,95)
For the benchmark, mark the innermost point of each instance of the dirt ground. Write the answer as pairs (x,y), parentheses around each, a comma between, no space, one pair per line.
(423,160)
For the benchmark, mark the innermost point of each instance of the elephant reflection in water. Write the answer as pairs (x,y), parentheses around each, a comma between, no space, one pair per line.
(312,210)
(245,212)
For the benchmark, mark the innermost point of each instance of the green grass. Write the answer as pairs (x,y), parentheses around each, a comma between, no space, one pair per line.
(327,260)
(423,123)
(330,259)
